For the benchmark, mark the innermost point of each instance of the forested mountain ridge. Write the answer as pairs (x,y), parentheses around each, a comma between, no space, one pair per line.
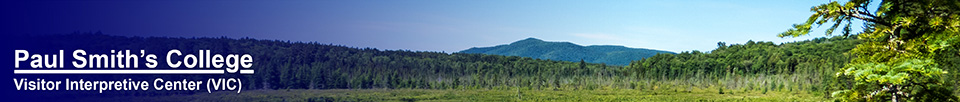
(566,51)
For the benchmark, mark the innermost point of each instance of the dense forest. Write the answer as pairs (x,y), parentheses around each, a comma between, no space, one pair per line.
(806,65)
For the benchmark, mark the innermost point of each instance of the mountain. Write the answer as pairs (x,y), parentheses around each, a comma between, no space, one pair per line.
(566,51)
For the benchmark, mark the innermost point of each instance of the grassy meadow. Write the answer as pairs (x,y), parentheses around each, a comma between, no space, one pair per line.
(487,95)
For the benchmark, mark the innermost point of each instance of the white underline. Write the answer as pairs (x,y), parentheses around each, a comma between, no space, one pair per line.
(126,71)
(246,71)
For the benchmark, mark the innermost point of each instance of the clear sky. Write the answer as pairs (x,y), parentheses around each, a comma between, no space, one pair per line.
(431,25)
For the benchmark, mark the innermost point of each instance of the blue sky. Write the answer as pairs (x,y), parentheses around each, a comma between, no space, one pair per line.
(432,25)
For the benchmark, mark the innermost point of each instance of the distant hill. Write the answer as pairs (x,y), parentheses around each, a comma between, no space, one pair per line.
(566,51)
